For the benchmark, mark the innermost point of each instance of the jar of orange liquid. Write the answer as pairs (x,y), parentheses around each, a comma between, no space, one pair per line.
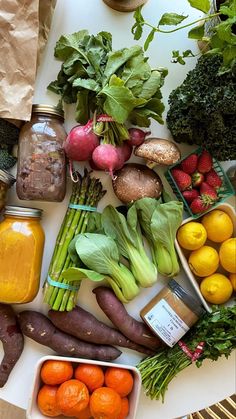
(21,252)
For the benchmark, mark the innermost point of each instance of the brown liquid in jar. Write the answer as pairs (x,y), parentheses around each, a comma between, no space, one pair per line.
(168,315)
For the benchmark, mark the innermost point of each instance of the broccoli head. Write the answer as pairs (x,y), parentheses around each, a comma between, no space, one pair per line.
(6,160)
(203,108)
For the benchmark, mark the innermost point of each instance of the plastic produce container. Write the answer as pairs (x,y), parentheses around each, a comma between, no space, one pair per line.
(34,413)
(184,254)
(224,192)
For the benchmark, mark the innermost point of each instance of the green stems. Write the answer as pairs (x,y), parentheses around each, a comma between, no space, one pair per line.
(87,191)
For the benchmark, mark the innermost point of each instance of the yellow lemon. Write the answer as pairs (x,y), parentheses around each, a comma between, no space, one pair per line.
(232,278)
(204,261)
(227,255)
(218,225)
(192,235)
(216,289)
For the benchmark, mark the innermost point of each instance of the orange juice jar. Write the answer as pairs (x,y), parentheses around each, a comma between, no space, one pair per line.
(21,251)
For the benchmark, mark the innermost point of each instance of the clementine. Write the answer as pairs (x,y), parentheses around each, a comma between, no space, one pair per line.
(91,375)
(72,397)
(124,408)
(120,379)
(56,372)
(105,403)
(85,413)
(46,401)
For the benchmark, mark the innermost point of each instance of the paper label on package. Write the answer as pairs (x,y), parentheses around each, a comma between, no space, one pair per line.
(166,323)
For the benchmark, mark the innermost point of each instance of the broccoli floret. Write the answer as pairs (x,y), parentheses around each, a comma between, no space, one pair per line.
(203,108)
(6,160)
(9,133)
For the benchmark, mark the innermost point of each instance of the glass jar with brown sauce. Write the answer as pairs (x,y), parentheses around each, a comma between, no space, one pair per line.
(171,313)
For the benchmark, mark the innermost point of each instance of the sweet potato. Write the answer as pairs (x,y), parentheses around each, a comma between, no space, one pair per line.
(39,328)
(116,312)
(83,325)
(12,340)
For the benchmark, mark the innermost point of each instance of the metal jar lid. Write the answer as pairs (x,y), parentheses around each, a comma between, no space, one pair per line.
(23,211)
(6,177)
(186,298)
(48,110)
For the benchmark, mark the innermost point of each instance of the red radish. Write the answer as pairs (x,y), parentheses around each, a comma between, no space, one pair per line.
(137,136)
(107,157)
(125,149)
(93,165)
(81,142)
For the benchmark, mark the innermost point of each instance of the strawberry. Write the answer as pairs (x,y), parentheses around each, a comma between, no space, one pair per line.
(197,179)
(182,179)
(208,194)
(189,165)
(198,206)
(189,196)
(205,162)
(213,179)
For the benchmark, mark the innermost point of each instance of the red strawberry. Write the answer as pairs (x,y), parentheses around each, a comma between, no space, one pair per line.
(198,206)
(189,196)
(197,179)
(189,165)
(208,194)
(205,162)
(213,179)
(182,179)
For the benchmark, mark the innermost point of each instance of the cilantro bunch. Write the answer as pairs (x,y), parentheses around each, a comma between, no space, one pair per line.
(221,38)
(120,84)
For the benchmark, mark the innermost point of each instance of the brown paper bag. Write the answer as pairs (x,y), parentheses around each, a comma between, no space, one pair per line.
(22,38)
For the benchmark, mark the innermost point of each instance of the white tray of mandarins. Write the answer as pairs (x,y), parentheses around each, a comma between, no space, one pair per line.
(207,250)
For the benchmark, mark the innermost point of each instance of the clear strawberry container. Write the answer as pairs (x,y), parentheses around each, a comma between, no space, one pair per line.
(224,192)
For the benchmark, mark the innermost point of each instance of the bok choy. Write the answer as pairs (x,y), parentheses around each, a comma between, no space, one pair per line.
(160,223)
(100,254)
(128,237)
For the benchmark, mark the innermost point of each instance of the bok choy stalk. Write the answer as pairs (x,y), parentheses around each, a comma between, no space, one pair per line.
(128,237)
(100,254)
(160,223)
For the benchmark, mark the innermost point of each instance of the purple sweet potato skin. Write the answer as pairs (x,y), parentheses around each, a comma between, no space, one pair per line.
(116,312)
(39,328)
(12,340)
(84,325)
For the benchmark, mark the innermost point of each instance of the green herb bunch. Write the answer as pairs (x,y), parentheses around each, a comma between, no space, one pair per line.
(218,332)
(120,84)
(222,38)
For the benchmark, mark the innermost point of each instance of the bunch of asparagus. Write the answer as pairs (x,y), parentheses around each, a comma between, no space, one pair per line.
(87,191)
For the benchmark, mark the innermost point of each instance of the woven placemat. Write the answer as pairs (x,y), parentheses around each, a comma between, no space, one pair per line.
(124,5)
(225,409)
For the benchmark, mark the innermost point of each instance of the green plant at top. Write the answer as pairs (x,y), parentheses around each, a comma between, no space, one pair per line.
(222,38)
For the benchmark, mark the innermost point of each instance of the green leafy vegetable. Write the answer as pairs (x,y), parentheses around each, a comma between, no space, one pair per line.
(100,254)
(215,329)
(171,19)
(128,238)
(203,108)
(203,5)
(159,223)
(102,81)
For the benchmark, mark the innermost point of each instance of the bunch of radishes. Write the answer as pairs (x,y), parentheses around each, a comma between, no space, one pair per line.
(82,144)
(198,181)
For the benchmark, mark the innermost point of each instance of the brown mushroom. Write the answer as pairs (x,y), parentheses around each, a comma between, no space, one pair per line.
(134,181)
(158,151)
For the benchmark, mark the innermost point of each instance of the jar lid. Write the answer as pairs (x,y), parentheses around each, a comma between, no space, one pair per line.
(6,177)
(23,211)
(48,109)
(186,298)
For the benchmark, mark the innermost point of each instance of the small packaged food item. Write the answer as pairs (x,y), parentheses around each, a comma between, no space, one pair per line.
(6,181)
(41,170)
(21,251)
(171,313)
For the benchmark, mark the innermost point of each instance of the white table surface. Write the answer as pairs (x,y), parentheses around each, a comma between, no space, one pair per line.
(193,388)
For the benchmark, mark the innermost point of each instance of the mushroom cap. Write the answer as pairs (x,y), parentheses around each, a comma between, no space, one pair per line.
(159,150)
(136,181)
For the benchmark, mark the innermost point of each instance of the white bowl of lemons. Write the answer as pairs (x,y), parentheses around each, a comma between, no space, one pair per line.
(207,250)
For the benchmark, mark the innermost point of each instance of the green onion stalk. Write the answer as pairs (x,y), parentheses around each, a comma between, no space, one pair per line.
(214,333)
(87,191)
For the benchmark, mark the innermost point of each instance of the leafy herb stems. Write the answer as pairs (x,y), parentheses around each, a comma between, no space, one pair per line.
(87,191)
